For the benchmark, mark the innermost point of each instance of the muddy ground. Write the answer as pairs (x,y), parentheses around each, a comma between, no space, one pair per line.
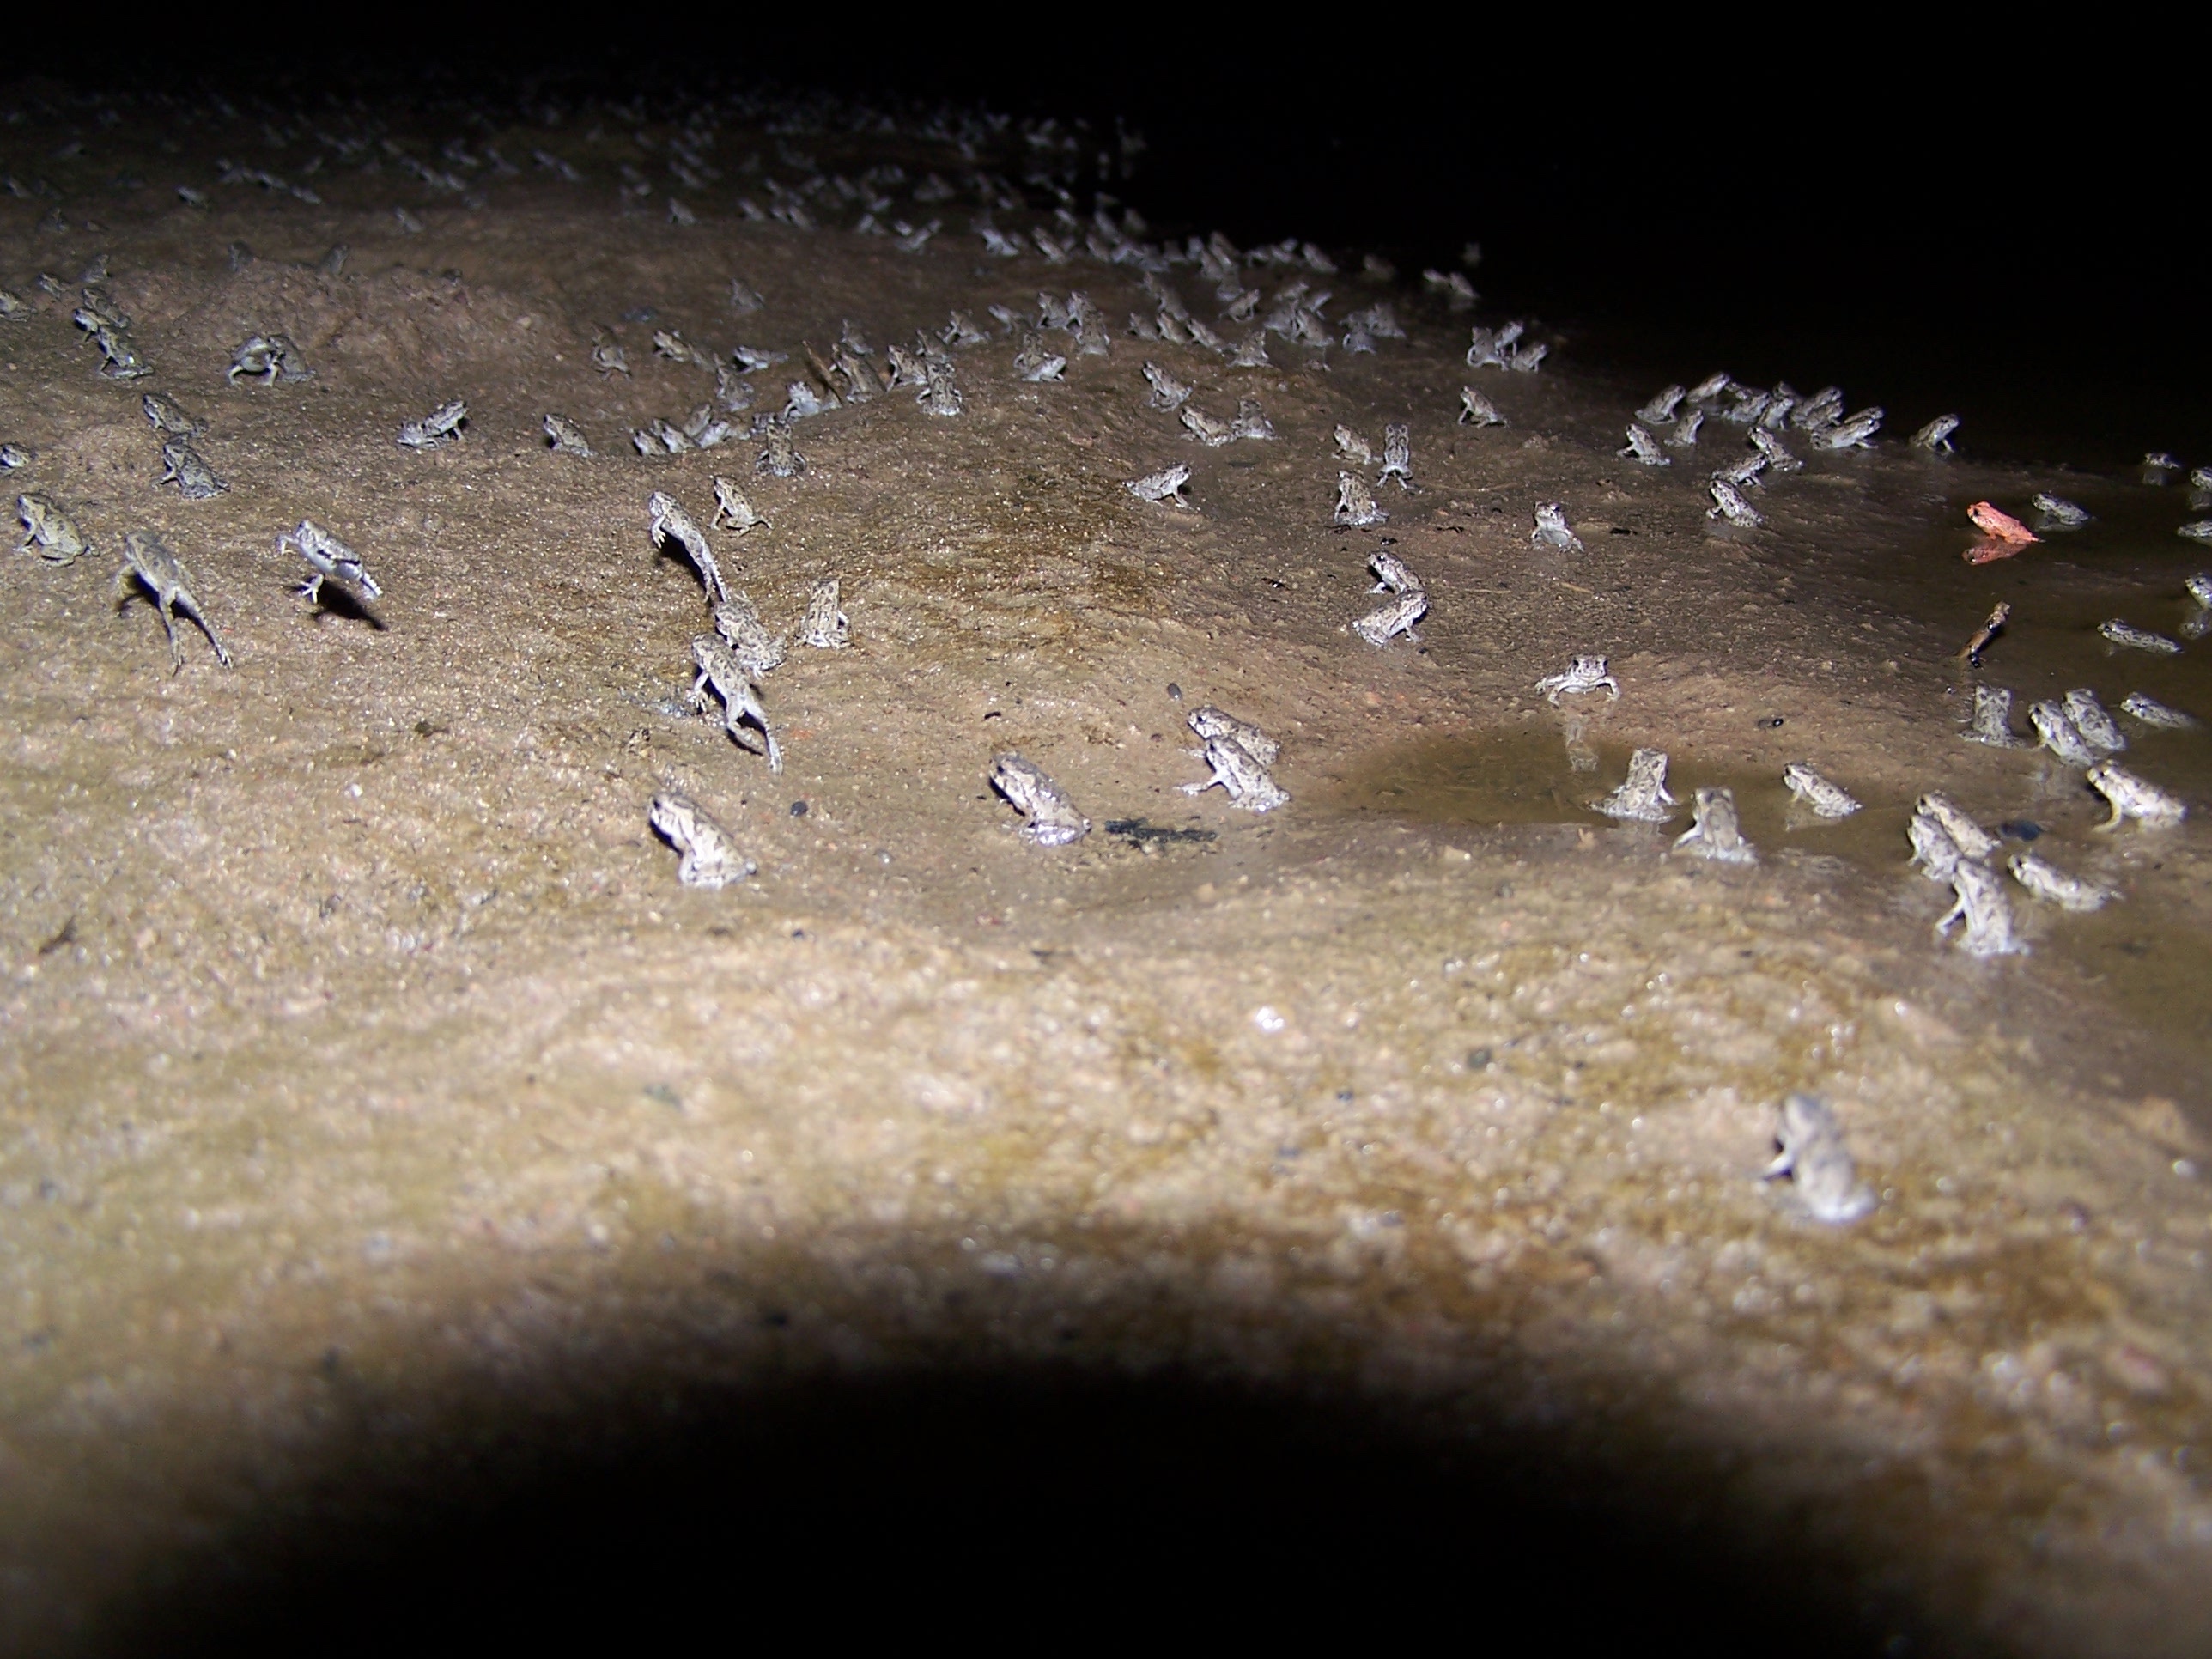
(369,1077)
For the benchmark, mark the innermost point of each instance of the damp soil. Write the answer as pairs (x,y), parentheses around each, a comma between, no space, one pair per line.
(375,1096)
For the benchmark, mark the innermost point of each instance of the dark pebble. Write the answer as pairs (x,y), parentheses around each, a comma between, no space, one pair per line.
(2020,829)
(798,809)
(1174,690)
(1479,1060)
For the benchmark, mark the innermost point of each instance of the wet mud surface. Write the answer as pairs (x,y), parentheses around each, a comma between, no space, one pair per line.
(393,1151)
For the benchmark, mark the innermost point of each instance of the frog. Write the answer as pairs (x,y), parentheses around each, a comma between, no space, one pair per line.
(2201,530)
(1774,453)
(2048,882)
(1824,1181)
(824,625)
(2096,727)
(732,390)
(1210,722)
(1475,410)
(1852,432)
(802,402)
(2138,639)
(49,528)
(1351,446)
(1583,673)
(1397,456)
(2133,797)
(1979,899)
(1036,365)
(2199,589)
(1551,529)
(2151,712)
(738,622)
(2056,512)
(1933,849)
(2158,466)
(1050,819)
(1242,775)
(1742,473)
(119,360)
(565,437)
(1167,485)
(1728,503)
(938,396)
(1996,523)
(1644,797)
(271,358)
(1167,392)
(1391,575)
(329,558)
(777,457)
(441,426)
(1643,447)
(1685,435)
(1969,838)
(1251,421)
(1710,390)
(183,466)
(732,511)
(14,458)
(1659,411)
(165,414)
(1204,427)
(2058,733)
(1485,352)
(961,330)
(1354,506)
(609,358)
(1528,358)
(721,673)
(1992,719)
(708,856)
(667,342)
(666,521)
(1824,798)
(149,566)
(1714,832)
(1394,616)
(1935,436)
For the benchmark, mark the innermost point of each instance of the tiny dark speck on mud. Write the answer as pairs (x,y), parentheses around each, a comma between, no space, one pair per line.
(1478,1060)
(1505,890)
(1344,1096)
(1620,530)
(1772,722)
(798,809)
(2021,828)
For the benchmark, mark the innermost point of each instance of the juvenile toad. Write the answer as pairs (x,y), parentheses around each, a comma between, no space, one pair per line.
(2097,728)
(1167,485)
(1823,797)
(666,521)
(2058,733)
(441,426)
(49,529)
(329,558)
(1210,722)
(1354,506)
(1823,1179)
(720,671)
(824,625)
(1242,775)
(1969,836)
(1715,834)
(1051,817)
(1980,903)
(183,466)
(149,563)
(2131,797)
(1582,674)
(1644,797)
(708,857)
(2048,882)
(1992,721)
(1551,529)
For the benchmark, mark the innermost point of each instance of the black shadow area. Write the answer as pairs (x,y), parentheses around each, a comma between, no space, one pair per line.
(1033,1506)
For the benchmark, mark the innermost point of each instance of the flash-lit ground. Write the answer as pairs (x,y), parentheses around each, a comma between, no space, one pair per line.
(390,1141)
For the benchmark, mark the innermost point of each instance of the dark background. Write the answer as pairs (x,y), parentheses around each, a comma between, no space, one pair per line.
(2005,220)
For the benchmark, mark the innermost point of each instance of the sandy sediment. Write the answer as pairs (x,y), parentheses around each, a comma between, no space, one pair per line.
(368,1072)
